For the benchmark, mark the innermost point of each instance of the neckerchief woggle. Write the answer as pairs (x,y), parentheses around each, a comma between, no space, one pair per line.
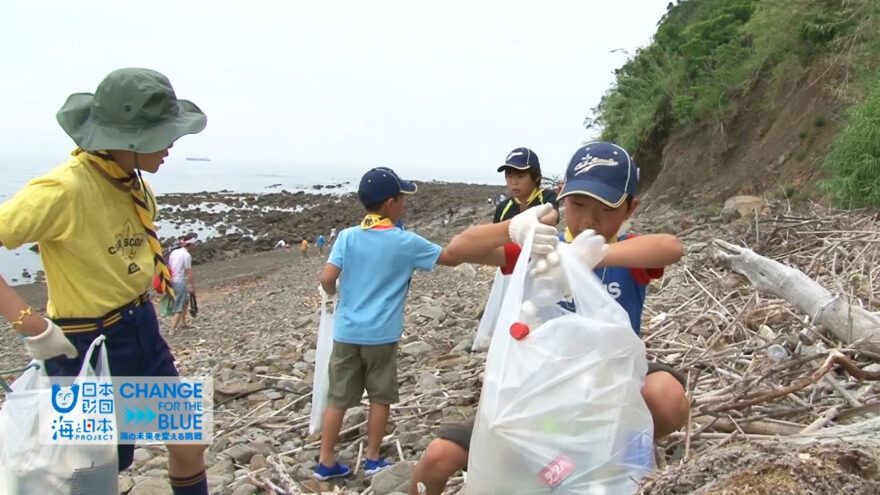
(537,193)
(532,196)
(376,221)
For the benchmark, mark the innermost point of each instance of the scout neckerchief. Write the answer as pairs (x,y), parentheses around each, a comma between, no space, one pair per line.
(569,238)
(537,193)
(143,201)
(376,221)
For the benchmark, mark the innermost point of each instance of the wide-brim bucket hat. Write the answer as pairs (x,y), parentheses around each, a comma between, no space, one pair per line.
(133,110)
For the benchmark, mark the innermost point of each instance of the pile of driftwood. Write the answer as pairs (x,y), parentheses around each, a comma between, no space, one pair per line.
(778,333)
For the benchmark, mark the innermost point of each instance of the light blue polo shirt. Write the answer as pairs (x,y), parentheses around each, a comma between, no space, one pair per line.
(376,265)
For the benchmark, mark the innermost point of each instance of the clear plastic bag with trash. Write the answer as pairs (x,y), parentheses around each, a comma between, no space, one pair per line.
(28,466)
(490,314)
(561,409)
(324,347)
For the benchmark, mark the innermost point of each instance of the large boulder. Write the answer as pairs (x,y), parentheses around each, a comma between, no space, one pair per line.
(393,479)
(743,207)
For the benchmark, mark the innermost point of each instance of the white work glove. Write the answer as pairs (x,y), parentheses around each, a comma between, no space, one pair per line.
(50,343)
(545,235)
(549,281)
(590,247)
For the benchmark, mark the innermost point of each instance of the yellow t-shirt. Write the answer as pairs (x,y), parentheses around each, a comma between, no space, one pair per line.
(304,245)
(93,246)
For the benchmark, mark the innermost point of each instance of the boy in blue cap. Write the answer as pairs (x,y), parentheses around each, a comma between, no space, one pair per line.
(522,173)
(372,264)
(599,195)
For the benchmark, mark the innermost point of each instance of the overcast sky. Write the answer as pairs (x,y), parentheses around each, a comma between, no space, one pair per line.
(423,87)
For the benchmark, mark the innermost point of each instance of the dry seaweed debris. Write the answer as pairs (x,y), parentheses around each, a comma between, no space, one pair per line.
(756,367)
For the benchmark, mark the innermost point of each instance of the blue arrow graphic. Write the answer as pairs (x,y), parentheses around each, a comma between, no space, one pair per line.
(129,415)
(138,415)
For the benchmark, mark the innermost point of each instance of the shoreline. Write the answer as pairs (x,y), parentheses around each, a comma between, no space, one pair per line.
(228,224)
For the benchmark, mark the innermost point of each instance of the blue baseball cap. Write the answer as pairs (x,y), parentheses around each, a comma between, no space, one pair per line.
(382,183)
(521,159)
(603,171)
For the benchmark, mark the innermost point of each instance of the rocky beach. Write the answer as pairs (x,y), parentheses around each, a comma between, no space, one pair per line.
(255,333)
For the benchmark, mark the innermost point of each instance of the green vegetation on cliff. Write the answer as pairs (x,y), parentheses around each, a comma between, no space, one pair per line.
(706,54)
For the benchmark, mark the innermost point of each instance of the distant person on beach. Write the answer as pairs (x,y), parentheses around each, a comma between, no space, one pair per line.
(332,235)
(320,243)
(372,265)
(304,248)
(94,219)
(522,171)
(182,281)
(495,199)
(281,244)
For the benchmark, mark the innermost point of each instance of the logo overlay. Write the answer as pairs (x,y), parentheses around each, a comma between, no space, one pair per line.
(96,410)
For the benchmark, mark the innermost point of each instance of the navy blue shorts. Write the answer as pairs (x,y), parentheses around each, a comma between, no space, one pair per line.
(134,348)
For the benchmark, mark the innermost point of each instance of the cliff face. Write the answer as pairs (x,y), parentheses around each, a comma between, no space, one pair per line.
(772,142)
(753,96)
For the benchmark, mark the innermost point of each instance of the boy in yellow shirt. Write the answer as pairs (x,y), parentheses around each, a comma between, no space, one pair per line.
(304,247)
(93,218)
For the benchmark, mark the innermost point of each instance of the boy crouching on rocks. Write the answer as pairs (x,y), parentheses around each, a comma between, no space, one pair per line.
(599,195)
(372,264)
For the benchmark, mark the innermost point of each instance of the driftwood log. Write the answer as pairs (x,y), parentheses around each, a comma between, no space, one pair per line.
(850,324)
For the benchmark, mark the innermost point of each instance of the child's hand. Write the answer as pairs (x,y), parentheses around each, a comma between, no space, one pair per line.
(50,343)
(323,291)
(590,247)
(545,235)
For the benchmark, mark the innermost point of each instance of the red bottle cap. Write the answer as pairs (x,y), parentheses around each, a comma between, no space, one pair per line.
(519,330)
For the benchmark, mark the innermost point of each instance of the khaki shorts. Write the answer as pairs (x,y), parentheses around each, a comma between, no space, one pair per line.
(354,367)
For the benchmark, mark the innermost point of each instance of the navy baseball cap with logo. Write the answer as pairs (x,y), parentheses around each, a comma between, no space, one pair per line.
(603,171)
(382,183)
(521,159)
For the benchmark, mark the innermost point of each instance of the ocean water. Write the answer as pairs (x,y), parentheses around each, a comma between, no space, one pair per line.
(179,175)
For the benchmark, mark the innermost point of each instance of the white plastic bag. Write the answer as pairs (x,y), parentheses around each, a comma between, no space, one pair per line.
(561,409)
(321,385)
(490,314)
(28,466)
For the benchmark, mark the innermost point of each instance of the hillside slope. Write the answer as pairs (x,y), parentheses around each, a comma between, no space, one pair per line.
(753,96)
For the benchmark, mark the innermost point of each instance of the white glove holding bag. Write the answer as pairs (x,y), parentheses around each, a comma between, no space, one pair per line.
(588,246)
(545,235)
(49,344)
